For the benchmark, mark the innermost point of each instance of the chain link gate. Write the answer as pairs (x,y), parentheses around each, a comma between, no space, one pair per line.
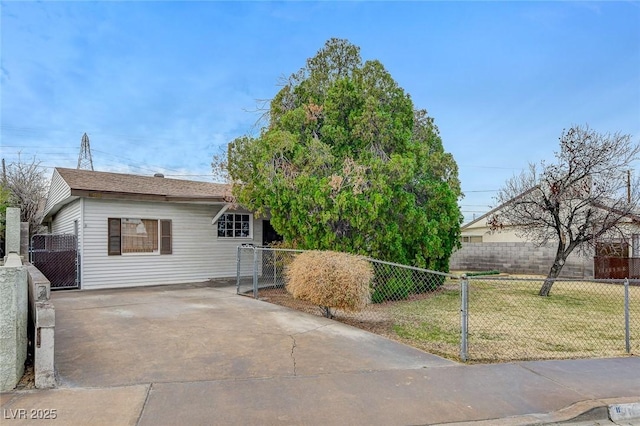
(56,256)
(261,268)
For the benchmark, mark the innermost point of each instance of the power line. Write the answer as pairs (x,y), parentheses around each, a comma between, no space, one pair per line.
(131,163)
(129,159)
(37,147)
(489,167)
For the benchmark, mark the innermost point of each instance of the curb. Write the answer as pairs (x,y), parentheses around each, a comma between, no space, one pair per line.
(624,408)
(622,412)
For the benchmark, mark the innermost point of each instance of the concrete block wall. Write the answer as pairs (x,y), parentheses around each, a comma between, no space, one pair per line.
(517,258)
(25,311)
(42,322)
(13,321)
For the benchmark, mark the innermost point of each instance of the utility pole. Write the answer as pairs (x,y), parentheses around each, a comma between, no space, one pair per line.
(84,158)
(629,186)
(4,172)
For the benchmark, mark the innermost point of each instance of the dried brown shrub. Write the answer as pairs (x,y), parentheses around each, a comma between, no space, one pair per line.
(330,279)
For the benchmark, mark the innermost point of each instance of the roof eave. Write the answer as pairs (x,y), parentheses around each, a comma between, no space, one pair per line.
(108,195)
(50,212)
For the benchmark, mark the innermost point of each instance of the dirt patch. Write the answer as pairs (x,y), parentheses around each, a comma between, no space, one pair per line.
(375,318)
(28,380)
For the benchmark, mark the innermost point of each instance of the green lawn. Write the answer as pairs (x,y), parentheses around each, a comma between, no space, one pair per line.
(509,321)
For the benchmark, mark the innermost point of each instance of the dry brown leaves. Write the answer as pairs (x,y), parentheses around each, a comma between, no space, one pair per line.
(326,278)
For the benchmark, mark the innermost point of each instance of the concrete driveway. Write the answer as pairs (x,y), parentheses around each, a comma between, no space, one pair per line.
(200,355)
(199,332)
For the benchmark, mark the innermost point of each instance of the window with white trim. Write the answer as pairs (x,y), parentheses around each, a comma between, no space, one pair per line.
(135,235)
(235,225)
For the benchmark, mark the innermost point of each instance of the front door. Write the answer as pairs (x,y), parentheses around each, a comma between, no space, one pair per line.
(270,272)
(269,235)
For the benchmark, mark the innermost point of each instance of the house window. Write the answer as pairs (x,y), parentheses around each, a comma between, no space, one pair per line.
(471,238)
(234,225)
(133,235)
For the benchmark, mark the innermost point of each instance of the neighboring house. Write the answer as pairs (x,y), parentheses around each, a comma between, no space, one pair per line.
(487,249)
(141,230)
(479,231)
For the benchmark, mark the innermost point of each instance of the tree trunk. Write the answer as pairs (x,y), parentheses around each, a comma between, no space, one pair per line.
(326,312)
(558,263)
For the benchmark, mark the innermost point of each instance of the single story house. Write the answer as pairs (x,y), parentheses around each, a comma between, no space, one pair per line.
(479,231)
(147,230)
(486,249)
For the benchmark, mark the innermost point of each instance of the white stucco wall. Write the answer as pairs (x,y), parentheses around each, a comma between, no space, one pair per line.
(13,321)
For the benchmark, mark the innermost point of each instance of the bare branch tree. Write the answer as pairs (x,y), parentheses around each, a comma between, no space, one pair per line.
(4,203)
(28,187)
(580,199)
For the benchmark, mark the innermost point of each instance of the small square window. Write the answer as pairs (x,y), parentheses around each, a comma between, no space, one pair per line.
(235,225)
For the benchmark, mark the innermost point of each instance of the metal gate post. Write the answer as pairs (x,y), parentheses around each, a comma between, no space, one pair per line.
(464,318)
(238,254)
(31,250)
(627,327)
(274,256)
(255,273)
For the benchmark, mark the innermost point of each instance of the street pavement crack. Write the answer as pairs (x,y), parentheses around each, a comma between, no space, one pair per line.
(578,391)
(144,404)
(316,328)
(293,357)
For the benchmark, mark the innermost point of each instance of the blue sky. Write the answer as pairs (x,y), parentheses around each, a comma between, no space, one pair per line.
(162,86)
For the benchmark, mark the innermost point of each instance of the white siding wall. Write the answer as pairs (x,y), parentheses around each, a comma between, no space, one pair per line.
(198,254)
(63,220)
(58,191)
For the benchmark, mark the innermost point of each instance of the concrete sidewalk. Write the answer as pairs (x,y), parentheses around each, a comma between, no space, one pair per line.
(200,355)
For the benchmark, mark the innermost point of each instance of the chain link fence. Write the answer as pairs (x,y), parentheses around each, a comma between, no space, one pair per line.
(507,319)
(478,319)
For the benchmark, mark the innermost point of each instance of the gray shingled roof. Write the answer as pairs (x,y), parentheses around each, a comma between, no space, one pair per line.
(119,183)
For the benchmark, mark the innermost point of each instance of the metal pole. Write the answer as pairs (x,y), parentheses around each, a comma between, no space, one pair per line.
(238,270)
(627,329)
(629,186)
(464,318)
(275,268)
(255,273)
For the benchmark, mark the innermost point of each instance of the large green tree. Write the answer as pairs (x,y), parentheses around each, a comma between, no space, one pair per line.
(347,163)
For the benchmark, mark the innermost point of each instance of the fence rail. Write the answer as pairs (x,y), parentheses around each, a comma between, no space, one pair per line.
(480,318)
